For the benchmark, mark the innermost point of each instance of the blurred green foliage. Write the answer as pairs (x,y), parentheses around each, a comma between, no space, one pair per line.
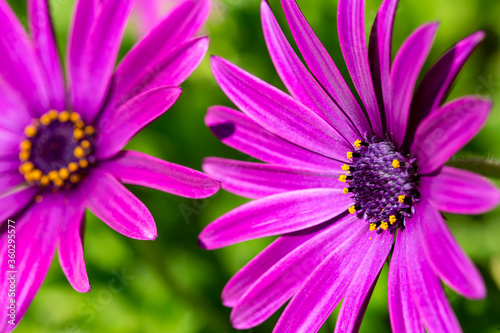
(171,285)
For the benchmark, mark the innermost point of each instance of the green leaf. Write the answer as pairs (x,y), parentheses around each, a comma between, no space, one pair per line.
(484,166)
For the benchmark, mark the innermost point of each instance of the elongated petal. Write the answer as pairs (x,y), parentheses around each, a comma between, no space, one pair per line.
(20,65)
(11,204)
(426,290)
(284,278)
(35,244)
(380,52)
(361,287)
(180,24)
(448,260)
(326,286)
(403,313)
(299,81)
(10,179)
(14,111)
(436,84)
(118,207)
(90,77)
(240,132)
(351,27)
(405,71)
(444,132)
(278,112)
(257,180)
(9,145)
(274,215)
(136,168)
(9,165)
(71,233)
(42,34)
(116,127)
(322,65)
(460,192)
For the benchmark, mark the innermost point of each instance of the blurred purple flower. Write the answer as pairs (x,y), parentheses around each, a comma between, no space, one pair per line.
(343,179)
(148,13)
(55,162)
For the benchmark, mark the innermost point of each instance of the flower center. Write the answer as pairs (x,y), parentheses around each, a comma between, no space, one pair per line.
(383,183)
(57,150)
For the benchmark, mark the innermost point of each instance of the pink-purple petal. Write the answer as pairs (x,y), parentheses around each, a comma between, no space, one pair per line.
(13,203)
(322,66)
(447,130)
(14,111)
(118,207)
(459,191)
(405,71)
(258,180)
(274,215)
(238,131)
(137,168)
(115,127)
(278,112)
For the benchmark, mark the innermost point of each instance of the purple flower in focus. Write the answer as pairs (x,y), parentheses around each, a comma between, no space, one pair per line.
(342,180)
(60,155)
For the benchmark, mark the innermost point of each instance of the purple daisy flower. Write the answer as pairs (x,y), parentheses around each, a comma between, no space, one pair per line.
(343,183)
(61,153)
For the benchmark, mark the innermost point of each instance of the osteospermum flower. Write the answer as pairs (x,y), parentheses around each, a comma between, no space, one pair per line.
(340,183)
(148,13)
(60,155)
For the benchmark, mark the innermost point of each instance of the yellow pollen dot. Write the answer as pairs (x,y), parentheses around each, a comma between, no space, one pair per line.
(343,178)
(74,178)
(79,152)
(346,190)
(44,180)
(349,154)
(373,227)
(30,131)
(384,225)
(396,164)
(79,124)
(85,144)
(53,175)
(392,219)
(84,164)
(74,117)
(36,174)
(89,130)
(345,167)
(38,198)
(58,182)
(401,198)
(45,119)
(52,114)
(78,134)
(352,210)
(64,116)
(26,167)
(64,173)
(73,167)
(24,155)
(25,145)
(357,143)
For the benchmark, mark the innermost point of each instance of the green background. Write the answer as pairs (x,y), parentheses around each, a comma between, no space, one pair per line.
(174,286)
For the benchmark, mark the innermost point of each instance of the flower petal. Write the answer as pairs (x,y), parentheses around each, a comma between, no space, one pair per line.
(322,66)
(13,203)
(115,127)
(118,207)
(444,132)
(36,240)
(278,112)
(403,313)
(13,109)
(351,27)
(181,23)
(136,168)
(90,74)
(71,233)
(446,257)
(10,179)
(9,145)
(436,84)
(274,215)
(42,34)
(361,287)
(297,79)
(283,279)
(426,290)
(405,71)
(237,130)
(460,192)
(20,65)
(257,180)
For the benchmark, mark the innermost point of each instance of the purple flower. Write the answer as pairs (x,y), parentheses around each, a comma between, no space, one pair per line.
(61,152)
(341,180)
(148,14)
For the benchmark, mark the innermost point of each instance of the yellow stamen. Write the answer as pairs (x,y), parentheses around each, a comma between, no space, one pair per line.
(89,130)
(64,116)
(349,154)
(44,181)
(392,219)
(30,131)
(357,143)
(64,173)
(85,144)
(79,124)
(73,167)
(36,174)
(52,114)
(78,134)
(346,190)
(45,119)
(84,163)
(53,175)
(396,164)
(373,227)
(25,145)
(24,155)
(343,178)
(38,198)
(79,152)
(26,167)
(74,117)
(352,210)
(345,167)
(401,198)
(384,225)
(74,178)
(58,182)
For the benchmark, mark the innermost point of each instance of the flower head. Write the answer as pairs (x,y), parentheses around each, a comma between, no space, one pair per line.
(344,184)
(60,155)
